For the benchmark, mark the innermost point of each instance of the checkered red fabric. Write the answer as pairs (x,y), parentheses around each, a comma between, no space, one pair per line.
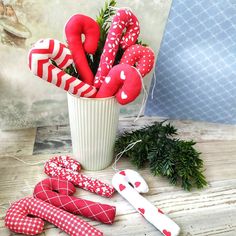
(18,220)
(62,166)
(45,190)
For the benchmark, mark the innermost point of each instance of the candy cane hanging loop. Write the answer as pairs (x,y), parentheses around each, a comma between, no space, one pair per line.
(122,180)
(39,60)
(124,19)
(58,193)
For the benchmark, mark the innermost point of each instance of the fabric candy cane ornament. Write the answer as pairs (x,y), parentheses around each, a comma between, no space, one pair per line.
(67,168)
(140,56)
(154,215)
(123,81)
(77,26)
(57,192)
(18,220)
(39,60)
(124,31)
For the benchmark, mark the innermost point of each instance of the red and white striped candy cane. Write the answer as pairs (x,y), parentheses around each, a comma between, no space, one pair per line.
(18,221)
(77,26)
(122,180)
(39,61)
(124,19)
(57,192)
(140,56)
(58,166)
(123,81)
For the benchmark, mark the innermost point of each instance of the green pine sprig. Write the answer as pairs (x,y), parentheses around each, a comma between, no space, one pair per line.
(167,156)
(103,19)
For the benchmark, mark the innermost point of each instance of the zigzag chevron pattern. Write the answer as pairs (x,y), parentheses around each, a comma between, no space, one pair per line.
(41,66)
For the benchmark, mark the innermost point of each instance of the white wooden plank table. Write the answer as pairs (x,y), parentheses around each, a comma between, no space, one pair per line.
(211,211)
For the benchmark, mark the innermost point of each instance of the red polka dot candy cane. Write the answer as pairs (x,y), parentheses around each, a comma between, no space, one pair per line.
(39,60)
(140,56)
(77,26)
(18,220)
(124,31)
(123,81)
(122,180)
(57,192)
(58,166)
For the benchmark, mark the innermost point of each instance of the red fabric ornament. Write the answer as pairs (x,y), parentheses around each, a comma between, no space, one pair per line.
(57,192)
(123,81)
(123,20)
(18,221)
(140,56)
(58,166)
(77,26)
(39,61)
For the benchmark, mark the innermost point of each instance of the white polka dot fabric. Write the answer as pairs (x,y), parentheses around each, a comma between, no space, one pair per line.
(67,168)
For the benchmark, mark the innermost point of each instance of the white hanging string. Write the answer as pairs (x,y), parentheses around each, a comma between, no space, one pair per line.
(118,8)
(3,207)
(120,154)
(155,81)
(27,163)
(145,96)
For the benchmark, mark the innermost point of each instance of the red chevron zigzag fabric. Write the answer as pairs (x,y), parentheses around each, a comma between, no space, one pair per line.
(56,192)
(18,221)
(59,166)
(39,61)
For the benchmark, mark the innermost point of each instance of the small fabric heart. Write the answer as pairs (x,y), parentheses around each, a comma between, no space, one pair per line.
(121,187)
(137,184)
(141,210)
(160,211)
(122,172)
(122,75)
(166,233)
(107,79)
(123,95)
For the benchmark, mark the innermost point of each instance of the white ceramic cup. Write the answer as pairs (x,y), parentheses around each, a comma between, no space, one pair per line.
(93,125)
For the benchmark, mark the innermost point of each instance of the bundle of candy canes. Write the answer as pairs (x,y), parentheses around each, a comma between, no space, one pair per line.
(124,80)
(54,202)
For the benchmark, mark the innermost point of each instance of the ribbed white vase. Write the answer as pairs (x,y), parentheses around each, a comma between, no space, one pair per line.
(93,125)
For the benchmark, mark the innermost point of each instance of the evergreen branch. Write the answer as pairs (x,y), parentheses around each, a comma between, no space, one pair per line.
(165,154)
(103,20)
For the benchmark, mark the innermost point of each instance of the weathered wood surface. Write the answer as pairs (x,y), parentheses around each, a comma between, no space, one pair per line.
(207,212)
(57,139)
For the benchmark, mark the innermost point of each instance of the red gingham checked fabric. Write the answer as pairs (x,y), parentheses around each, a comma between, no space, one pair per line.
(59,166)
(18,221)
(45,190)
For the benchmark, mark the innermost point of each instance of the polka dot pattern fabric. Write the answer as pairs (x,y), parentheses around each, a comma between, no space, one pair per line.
(18,221)
(140,56)
(57,192)
(123,20)
(62,167)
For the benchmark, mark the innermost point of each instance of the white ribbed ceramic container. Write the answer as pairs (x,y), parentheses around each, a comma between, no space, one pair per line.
(93,125)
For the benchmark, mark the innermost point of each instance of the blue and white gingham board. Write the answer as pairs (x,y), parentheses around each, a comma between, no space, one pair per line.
(196,65)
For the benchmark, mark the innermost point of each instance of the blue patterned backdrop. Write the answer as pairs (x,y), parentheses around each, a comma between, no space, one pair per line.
(196,65)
